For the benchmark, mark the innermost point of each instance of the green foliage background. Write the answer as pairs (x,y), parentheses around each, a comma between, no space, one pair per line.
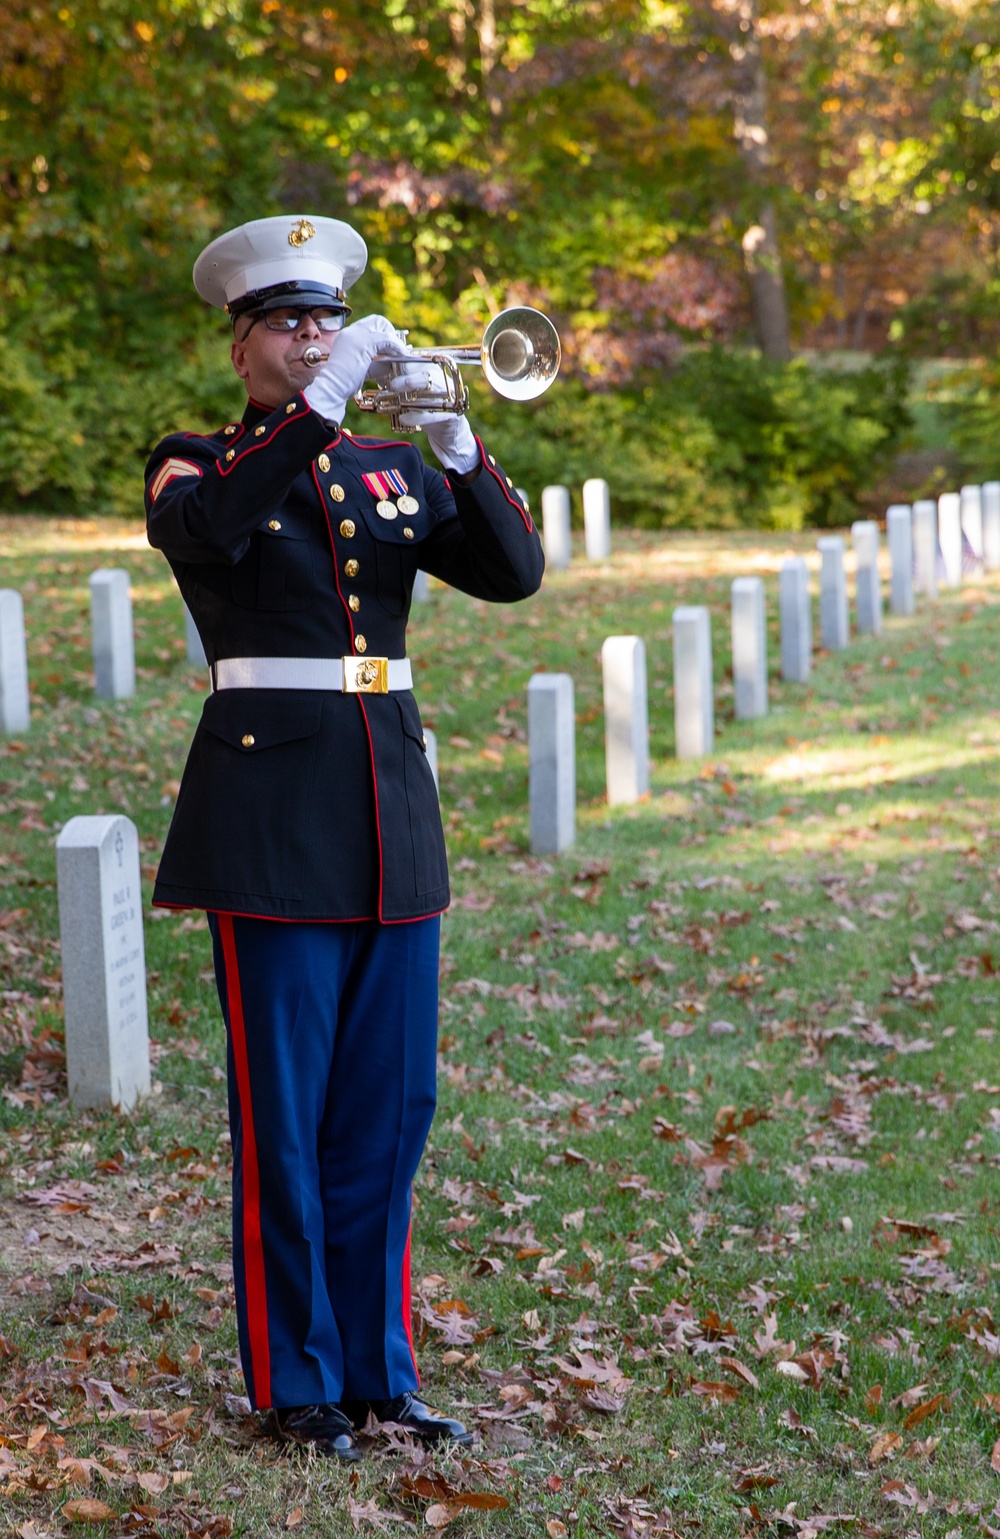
(550,152)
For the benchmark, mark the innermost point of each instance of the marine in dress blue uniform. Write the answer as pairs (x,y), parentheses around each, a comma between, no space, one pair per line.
(307,821)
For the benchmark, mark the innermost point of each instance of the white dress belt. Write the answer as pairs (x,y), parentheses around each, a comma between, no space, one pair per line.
(308,673)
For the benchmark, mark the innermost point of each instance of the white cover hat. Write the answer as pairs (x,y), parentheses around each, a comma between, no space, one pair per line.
(299,255)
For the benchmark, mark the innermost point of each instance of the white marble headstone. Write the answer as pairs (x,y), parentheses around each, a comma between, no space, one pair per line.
(431,750)
(833,622)
(597,519)
(15,711)
(949,511)
(626,723)
(899,532)
(694,697)
(991,525)
(551,762)
(103,961)
(113,641)
(193,646)
(925,547)
(796,620)
(868,584)
(972,527)
(555,527)
(749,623)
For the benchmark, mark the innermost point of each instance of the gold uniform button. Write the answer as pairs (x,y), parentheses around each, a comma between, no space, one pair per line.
(407,532)
(230,454)
(259,432)
(230,430)
(336,492)
(352,567)
(347,527)
(509,482)
(274,523)
(289,408)
(360,644)
(247,740)
(324,463)
(354,602)
(492,460)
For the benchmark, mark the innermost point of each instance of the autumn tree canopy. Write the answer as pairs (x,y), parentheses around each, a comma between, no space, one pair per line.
(795,173)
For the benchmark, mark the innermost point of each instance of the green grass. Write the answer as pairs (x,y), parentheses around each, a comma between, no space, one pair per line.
(712,1189)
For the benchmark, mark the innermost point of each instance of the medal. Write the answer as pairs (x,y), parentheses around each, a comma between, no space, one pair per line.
(384,485)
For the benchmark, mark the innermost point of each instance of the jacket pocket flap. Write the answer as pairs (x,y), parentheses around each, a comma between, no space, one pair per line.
(254,719)
(401,530)
(409,715)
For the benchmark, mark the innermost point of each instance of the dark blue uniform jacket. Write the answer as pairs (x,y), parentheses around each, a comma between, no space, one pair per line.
(299,804)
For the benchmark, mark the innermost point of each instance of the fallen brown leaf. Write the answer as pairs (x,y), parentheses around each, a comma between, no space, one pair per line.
(926,1408)
(714,1389)
(741,1370)
(884,1447)
(755,1480)
(87,1510)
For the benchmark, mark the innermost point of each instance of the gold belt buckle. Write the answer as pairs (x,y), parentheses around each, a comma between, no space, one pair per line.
(366,675)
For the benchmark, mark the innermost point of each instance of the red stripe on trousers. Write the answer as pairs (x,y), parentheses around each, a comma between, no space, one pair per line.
(253,1248)
(408,1303)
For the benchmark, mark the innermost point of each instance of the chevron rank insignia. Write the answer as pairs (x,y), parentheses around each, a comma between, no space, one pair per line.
(169,471)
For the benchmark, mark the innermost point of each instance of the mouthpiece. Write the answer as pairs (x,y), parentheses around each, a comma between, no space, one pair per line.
(314,356)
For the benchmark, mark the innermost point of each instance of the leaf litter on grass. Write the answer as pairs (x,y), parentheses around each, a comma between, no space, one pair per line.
(664,1264)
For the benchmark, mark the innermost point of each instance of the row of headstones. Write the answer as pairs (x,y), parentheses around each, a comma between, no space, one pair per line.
(922,541)
(100,892)
(100,903)
(112,633)
(969,518)
(112,645)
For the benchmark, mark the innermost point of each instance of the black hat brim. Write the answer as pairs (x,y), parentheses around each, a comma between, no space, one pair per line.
(293,292)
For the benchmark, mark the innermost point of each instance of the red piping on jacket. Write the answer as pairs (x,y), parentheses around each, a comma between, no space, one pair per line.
(262,442)
(515,503)
(253,1246)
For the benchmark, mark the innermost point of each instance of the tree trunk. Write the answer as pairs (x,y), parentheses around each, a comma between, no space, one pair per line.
(458,16)
(486,27)
(761,252)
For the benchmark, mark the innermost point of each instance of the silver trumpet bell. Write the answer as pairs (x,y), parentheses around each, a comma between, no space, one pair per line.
(519,355)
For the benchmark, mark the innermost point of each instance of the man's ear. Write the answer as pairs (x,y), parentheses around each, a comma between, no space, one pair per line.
(238,356)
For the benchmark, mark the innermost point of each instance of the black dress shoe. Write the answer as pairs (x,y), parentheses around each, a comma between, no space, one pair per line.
(409,1411)
(322,1427)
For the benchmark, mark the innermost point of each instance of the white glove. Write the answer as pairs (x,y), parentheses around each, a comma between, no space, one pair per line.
(453,441)
(349,364)
(448,433)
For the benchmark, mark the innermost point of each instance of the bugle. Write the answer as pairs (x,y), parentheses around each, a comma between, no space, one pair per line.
(519,354)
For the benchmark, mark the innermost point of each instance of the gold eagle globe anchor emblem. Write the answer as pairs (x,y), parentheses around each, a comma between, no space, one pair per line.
(368,673)
(300,232)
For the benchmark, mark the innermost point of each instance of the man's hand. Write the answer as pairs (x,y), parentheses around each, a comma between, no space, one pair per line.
(349,364)
(448,433)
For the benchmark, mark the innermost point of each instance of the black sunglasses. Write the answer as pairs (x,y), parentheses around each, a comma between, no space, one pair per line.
(288,318)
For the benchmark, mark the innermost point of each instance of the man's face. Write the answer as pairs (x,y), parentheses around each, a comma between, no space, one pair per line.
(271,361)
